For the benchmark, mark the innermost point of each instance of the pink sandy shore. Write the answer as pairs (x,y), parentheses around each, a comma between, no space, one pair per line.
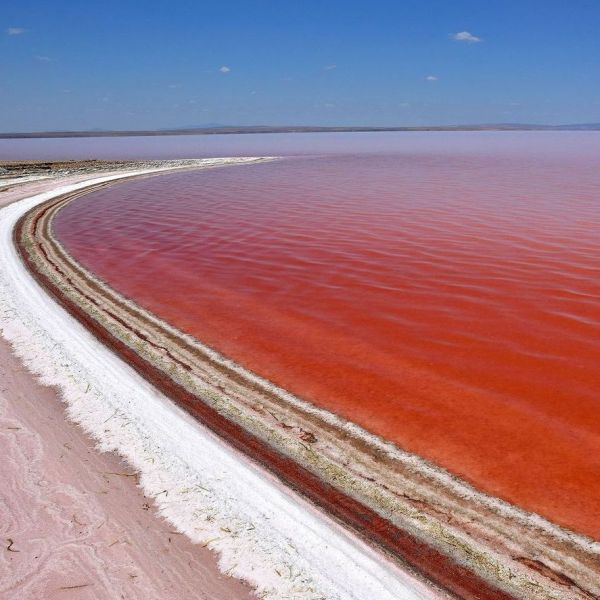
(73,523)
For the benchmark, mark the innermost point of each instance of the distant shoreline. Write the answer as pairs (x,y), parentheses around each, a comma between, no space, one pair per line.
(228,130)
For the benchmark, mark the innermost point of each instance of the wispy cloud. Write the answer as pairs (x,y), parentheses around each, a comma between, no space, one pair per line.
(329,67)
(41,58)
(15,30)
(431,78)
(225,69)
(465,36)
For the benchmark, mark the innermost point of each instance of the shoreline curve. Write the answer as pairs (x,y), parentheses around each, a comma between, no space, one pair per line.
(471,545)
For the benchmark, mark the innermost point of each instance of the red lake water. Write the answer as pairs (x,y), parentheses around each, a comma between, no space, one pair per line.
(446,301)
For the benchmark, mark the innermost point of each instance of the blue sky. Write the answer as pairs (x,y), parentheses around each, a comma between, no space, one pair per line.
(154,64)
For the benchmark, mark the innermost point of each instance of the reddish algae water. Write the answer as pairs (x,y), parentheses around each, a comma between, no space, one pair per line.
(447,302)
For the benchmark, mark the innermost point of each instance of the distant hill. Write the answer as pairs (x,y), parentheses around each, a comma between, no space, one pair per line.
(580,127)
(215,129)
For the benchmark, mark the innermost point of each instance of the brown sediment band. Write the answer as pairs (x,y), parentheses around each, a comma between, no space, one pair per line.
(469,544)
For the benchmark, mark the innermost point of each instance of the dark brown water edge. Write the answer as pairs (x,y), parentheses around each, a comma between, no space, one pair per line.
(436,565)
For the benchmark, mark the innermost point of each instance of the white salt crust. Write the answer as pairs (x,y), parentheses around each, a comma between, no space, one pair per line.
(263,533)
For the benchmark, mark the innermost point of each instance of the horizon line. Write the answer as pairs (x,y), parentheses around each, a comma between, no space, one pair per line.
(247,129)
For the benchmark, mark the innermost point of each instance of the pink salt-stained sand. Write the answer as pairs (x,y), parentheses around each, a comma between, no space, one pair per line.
(73,519)
(73,523)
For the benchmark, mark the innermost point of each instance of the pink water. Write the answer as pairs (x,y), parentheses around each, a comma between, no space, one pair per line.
(447,302)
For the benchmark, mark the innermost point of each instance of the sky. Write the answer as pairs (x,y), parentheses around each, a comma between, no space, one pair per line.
(77,65)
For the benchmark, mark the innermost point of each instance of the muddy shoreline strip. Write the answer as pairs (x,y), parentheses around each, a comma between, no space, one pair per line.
(443,531)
